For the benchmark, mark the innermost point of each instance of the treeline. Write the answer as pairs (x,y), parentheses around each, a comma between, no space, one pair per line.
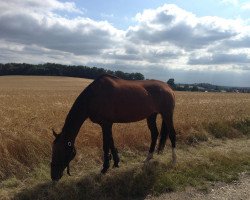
(53,69)
(206,87)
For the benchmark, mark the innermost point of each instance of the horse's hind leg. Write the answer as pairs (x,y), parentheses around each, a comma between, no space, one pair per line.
(151,121)
(168,119)
(114,152)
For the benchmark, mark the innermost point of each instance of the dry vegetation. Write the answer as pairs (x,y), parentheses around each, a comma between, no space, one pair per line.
(31,106)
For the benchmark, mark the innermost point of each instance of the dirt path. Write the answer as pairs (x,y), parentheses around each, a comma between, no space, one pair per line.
(238,190)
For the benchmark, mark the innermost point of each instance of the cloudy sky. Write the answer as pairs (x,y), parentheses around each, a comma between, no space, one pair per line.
(190,41)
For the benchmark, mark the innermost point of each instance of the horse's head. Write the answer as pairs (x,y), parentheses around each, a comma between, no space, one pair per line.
(62,153)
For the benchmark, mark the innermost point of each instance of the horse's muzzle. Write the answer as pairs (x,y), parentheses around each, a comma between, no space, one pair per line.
(56,173)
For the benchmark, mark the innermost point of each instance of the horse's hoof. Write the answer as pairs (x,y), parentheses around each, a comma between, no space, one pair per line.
(160,151)
(104,170)
(174,162)
(116,166)
(146,161)
(149,157)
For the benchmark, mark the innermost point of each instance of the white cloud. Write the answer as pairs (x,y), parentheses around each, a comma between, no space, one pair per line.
(245,6)
(37,6)
(220,58)
(237,4)
(81,36)
(163,40)
(181,28)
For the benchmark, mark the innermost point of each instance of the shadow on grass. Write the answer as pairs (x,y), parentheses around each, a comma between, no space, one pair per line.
(128,183)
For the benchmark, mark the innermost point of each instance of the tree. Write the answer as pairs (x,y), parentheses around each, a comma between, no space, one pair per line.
(54,69)
(186,87)
(171,83)
(195,88)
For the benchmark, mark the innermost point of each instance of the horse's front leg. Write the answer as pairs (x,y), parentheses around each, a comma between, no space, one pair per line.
(106,132)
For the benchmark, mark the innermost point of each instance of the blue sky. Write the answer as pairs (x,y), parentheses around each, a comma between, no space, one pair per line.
(121,12)
(190,41)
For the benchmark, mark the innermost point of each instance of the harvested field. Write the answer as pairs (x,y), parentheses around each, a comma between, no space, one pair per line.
(31,106)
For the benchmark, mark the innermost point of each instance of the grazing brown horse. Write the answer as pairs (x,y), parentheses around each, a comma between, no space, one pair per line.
(109,100)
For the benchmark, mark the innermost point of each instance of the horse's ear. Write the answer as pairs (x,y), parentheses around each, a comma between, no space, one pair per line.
(54,133)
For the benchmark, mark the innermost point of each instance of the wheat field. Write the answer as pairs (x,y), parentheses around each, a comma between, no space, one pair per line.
(31,106)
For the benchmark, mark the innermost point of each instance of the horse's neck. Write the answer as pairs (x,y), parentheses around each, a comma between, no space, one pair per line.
(75,118)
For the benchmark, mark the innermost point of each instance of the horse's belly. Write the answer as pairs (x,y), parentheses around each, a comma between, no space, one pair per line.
(131,114)
(122,113)
(121,106)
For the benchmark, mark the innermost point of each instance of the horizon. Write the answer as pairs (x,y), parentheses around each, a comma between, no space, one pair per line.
(192,42)
(145,78)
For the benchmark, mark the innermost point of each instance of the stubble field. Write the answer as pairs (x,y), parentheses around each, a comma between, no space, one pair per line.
(212,144)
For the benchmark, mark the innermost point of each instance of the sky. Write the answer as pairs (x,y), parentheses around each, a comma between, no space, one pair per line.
(191,41)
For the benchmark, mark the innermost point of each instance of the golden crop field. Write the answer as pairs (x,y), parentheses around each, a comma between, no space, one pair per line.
(31,106)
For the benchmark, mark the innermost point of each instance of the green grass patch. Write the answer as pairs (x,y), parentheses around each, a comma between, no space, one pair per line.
(10,183)
(219,167)
(223,130)
(219,130)
(196,136)
(230,129)
(243,126)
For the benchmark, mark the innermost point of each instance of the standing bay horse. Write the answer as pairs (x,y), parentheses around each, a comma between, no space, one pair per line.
(108,100)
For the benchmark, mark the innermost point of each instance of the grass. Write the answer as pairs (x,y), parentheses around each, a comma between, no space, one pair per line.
(221,167)
(211,130)
(243,126)
(136,181)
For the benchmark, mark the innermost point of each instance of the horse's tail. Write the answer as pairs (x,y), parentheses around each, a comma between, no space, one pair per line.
(167,129)
(163,136)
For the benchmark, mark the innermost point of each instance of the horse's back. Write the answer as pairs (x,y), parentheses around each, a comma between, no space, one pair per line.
(112,82)
(126,101)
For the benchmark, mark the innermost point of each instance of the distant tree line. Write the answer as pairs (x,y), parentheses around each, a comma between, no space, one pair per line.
(53,69)
(205,87)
